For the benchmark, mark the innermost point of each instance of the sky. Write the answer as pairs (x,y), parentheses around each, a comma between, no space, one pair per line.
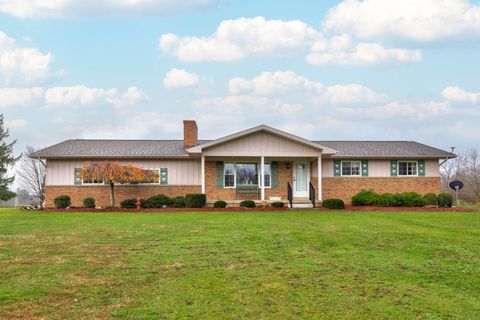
(324,70)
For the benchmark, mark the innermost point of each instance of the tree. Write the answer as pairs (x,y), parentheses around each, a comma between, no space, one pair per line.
(6,160)
(114,172)
(32,174)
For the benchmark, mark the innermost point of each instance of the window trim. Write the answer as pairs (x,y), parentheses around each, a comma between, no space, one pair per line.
(351,175)
(263,178)
(234,163)
(407,175)
(234,175)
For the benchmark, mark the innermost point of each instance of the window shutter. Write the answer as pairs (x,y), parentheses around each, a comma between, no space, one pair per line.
(393,168)
(364,168)
(163,175)
(421,168)
(77,176)
(274,171)
(337,168)
(219,174)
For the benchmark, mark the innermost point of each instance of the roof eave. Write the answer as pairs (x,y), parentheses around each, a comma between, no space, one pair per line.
(34,156)
(392,157)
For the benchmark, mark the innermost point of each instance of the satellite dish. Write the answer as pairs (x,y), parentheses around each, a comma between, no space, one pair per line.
(456,185)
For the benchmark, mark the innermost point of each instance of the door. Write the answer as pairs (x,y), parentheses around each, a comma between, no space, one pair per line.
(301,177)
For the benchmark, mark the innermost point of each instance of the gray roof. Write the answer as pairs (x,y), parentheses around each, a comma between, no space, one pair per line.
(79,148)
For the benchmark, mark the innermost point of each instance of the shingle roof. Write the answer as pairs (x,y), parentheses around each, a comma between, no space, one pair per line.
(174,148)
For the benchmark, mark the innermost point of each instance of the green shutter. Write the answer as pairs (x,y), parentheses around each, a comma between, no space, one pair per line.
(364,168)
(393,168)
(163,175)
(77,176)
(219,174)
(274,171)
(421,168)
(337,170)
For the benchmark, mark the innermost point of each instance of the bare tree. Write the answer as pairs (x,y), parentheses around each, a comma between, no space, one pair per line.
(31,175)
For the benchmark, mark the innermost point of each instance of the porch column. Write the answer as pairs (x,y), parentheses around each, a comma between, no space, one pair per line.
(262,173)
(203,173)
(319,179)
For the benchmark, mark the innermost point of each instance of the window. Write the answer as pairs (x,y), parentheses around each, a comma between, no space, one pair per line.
(267,175)
(246,174)
(229,175)
(153,176)
(351,168)
(407,168)
(85,181)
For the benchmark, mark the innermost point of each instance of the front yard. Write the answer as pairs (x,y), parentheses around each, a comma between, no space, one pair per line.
(280,265)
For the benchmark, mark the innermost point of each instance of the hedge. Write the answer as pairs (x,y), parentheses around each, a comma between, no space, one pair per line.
(247,204)
(431,198)
(128,203)
(195,200)
(219,204)
(63,201)
(158,201)
(406,199)
(445,200)
(277,204)
(333,204)
(179,202)
(89,202)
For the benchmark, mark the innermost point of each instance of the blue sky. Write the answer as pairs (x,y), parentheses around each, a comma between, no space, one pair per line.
(326,70)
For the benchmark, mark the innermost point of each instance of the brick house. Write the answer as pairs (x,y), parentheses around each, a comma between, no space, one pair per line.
(261,163)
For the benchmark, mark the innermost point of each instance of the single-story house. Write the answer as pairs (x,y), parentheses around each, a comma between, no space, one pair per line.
(261,163)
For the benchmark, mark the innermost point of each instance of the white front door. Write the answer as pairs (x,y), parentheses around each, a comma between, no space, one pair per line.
(301,177)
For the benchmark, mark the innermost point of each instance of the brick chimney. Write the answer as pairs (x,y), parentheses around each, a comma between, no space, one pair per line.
(190,133)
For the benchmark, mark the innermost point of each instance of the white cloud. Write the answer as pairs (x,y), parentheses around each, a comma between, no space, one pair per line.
(398,110)
(22,65)
(177,78)
(15,97)
(130,98)
(15,123)
(460,95)
(66,8)
(350,93)
(419,20)
(239,38)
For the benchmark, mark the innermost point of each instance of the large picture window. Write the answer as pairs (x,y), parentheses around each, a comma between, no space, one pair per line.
(247,174)
(351,168)
(407,168)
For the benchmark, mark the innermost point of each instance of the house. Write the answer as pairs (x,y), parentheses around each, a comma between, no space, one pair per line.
(261,163)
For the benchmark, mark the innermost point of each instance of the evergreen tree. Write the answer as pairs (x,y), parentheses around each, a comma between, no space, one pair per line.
(6,160)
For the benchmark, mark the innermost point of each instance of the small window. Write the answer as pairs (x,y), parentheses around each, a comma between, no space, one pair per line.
(351,168)
(267,175)
(88,181)
(407,168)
(229,175)
(154,176)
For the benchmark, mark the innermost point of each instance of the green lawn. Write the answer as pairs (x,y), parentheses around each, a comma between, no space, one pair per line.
(280,265)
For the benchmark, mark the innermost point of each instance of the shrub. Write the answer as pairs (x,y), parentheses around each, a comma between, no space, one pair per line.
(195,200)
(445,200)
(89,202)
(431,199)
(219,204)
(62,201)
(412,199)
(365,198)
(128,203)
(179,202)
(158,201)
(247,204)
(333,204)
(277,204)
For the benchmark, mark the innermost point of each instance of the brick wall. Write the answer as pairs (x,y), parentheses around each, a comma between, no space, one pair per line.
(284,175)
(101,194)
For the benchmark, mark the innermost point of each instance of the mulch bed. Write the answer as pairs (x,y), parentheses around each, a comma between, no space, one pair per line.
(416,209)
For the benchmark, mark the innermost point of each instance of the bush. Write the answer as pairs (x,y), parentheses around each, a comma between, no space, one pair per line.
(128,203)
(445,200)
(333,204)
(431,199)
(277,204)
(179,202)
(195,200)
(365,198)
(219,204)
(62,201)
(247,204)
(158,201)
(412,199)
(89,202)
(406,199)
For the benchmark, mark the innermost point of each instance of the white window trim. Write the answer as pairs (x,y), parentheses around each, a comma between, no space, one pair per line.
(235,174)
(270,185)
(406,175)
(351,175)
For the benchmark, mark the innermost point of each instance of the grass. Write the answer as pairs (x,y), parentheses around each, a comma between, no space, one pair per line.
(280,265)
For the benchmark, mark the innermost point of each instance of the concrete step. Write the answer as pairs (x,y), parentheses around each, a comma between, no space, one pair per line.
(302,205)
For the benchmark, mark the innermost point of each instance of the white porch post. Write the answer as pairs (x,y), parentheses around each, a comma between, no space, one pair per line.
(319,178)
(262,172)
(203,173)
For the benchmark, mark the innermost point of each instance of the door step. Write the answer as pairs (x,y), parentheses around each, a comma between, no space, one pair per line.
(302,205)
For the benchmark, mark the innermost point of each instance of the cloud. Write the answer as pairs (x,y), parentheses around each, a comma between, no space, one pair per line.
(239,38)
(396,110)
(16,123)
(22,65)
(69,8)
(178,78)
(130,98)
(16,97)
(349,94)
(460,95)
(418,20)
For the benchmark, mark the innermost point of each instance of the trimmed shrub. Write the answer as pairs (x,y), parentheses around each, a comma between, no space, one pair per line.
(333,204)
(179,202)
(195,200)
(247,204)
(277,204)
(128,203)
(158,201)
(412,199)
(89,202)
(62,201)
(219,204)
(445,200)
(365,198)
(431,199)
